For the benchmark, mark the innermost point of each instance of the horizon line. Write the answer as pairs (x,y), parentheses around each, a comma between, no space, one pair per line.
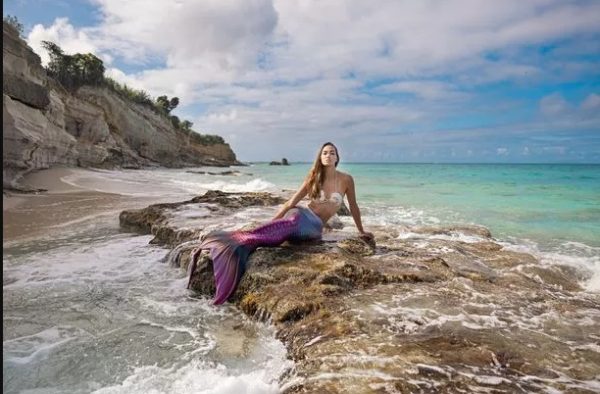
(438,162)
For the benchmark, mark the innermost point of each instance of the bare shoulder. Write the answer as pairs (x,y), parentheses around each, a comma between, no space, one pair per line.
(346,179)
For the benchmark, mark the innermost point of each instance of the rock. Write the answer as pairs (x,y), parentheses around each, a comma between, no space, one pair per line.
(343,210)
(422,314)
(357,246)
(335,223)
(158,219)
(25,91)
(477,231)
(283,162)
(216,173)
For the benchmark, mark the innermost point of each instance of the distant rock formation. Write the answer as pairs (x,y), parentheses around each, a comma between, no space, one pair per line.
(45,125)
(236,173)
(283,162)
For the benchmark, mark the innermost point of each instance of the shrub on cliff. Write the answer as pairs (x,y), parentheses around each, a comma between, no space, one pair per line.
(134,95)
(206,139)
(73,71)
(165,105)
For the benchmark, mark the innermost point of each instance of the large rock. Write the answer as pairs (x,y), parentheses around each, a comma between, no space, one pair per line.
(427,309)
(25,91)
(31,141)
(45,125)
(18,59)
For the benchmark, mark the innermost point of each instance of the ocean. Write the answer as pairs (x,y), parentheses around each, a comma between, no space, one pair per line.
(90,308)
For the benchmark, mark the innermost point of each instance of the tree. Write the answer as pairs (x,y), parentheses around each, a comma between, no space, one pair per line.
(166,105)
(173,103)
(186,125)
(162,102)
(89,69)
(73,71)
(14,22)
(175,121)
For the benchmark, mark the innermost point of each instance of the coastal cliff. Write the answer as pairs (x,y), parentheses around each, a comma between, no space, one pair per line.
(45,125)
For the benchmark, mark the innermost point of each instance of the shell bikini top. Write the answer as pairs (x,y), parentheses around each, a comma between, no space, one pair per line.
(335,197)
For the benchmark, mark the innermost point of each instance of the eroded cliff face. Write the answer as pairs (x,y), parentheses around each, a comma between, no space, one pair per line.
(44,125)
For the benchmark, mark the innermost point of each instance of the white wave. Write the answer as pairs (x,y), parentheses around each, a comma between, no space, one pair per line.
(255,185)
(122,258)
(26,349)
(452,236)
(409,319)
(584,258)
(397,215)
(201,377)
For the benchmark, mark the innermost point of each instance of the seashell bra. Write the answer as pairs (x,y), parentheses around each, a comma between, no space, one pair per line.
(335,197)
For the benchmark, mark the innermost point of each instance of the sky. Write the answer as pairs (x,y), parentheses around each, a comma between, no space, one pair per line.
(472,81)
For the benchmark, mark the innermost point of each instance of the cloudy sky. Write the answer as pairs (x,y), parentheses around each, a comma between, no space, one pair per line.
(393,81)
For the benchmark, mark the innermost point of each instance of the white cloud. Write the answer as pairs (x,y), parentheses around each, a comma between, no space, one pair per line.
(210,36)
(429,90)
(502,151)
(66,36)
(553,104)
(591,102)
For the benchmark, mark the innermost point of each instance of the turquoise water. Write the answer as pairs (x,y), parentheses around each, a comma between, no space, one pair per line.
(547,203)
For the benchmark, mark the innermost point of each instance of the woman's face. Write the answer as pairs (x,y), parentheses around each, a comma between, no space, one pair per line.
(328,156)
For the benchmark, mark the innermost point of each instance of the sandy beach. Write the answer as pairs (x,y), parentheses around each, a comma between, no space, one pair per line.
(31,215)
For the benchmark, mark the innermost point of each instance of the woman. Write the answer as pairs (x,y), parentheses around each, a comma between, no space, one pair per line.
(326,187)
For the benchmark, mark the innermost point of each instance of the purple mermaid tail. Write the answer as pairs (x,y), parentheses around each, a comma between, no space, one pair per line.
(230,250)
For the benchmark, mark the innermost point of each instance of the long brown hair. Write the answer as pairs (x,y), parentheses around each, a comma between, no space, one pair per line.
(316,176)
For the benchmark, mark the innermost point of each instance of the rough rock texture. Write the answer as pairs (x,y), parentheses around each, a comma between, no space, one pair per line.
(44,125)
(429,312)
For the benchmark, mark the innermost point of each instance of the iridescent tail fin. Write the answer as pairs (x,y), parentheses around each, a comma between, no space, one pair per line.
(230,251)
(230,259)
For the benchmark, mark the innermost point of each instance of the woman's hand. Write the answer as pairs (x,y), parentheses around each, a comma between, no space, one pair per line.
(366,235)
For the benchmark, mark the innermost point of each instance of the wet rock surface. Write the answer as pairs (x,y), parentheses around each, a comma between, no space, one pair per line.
(422,309)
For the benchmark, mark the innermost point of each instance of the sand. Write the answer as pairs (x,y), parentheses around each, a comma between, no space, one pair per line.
(28,216)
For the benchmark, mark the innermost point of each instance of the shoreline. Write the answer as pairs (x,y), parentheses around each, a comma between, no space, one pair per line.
(43,182)
(27,216)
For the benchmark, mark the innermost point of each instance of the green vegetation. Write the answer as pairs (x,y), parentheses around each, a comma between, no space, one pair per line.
(74,71)
(167,105)
(133,95)
(14,22)
(207,139)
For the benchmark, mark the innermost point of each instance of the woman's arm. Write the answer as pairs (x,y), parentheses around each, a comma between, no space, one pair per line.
(354,210)
(291,203)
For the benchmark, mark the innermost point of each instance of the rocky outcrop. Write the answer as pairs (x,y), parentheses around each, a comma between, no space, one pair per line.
(45,125)
(426,309)
(283,162)
(236,173)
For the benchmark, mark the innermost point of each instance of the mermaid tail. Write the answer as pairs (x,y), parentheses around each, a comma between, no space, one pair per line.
(230,250)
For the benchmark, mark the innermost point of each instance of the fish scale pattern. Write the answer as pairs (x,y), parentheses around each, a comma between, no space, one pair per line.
(230,250)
